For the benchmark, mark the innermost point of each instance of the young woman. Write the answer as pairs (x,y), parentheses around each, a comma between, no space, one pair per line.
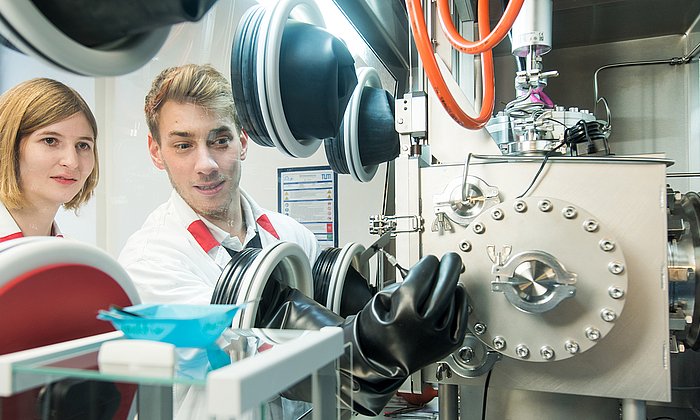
(48,157)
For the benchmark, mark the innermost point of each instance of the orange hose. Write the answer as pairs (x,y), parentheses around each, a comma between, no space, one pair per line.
(485,43)
(425,50)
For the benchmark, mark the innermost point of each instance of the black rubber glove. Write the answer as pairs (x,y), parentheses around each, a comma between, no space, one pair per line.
(356,293)
(402,329)
(100,22)
(409,325)
(296,311)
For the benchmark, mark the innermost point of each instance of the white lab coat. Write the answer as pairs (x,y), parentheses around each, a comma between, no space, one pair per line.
(177,257)
(9,229)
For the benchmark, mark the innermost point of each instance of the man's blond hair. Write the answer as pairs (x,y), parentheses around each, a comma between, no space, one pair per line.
(197,84)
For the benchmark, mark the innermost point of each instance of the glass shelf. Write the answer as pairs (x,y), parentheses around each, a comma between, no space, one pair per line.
(84,364)
(231,390)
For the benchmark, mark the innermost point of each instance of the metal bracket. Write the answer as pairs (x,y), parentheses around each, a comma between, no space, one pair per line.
(462,200)
(380,224)
(412,114)
(473,359)
(441,223)
(378,245)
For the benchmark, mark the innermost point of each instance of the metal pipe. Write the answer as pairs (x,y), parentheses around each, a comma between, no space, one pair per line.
(448,402)
(682,174)
(615,65)
(686,58)
(465,176)
(671,61)
(478,76)
(634,409)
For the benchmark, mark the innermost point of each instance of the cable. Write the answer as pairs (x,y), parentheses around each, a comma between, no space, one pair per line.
(556,121)
(425,50)
(486,389)
(306,414)
(581,132)
(544,161)
(523,106)
(588,132)
(608,113)
(465,176)
(385,198)
(486,42)
(392,260)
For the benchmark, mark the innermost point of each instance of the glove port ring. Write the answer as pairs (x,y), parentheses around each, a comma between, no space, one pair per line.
(21,256)
(330,271)
(245,277)
(24,26)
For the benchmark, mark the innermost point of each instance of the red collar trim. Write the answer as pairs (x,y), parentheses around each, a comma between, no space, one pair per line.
(12,236)
(202,235)
(264,222)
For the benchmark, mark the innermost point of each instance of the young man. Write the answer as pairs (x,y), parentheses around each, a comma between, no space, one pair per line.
(179,253)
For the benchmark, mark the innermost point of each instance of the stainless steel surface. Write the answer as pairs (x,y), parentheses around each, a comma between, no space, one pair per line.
(411,116)
(480,196)
(589,22)
(686,383)
(633,410)
(408,202)
(448,403)
(532,30)
(626,196)
(632,360)
(471,360)
(472,398)
(682,174)
(572,297)
(533,281)
(528,134)
(683,255)
(669,61)
(640,97)
(508,404)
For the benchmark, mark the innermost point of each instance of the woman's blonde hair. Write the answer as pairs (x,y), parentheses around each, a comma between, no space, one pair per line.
(199,84)
(26,108)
